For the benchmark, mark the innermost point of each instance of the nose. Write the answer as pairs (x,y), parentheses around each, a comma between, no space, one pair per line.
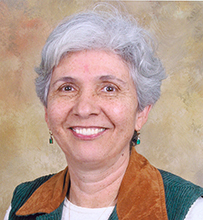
(86,105)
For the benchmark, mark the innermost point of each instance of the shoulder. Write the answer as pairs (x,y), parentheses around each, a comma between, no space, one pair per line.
(23,191)
(30,186)
(180,195)
(174,182)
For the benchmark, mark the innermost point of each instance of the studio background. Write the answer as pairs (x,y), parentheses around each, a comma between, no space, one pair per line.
(171,140)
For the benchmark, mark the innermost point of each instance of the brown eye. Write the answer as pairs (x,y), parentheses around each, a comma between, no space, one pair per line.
(68,88)
(109,88)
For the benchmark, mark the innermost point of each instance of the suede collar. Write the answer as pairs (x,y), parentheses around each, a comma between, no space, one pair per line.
(141,194)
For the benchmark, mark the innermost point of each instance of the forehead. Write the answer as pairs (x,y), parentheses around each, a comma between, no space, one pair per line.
(92,63)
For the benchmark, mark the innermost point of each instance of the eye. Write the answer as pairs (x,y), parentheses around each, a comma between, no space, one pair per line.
(109,88)
(66,88)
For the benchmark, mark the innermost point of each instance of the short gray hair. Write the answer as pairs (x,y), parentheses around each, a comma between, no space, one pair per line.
(110,31)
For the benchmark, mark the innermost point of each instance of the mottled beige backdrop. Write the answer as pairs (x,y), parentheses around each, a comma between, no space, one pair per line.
(173,137)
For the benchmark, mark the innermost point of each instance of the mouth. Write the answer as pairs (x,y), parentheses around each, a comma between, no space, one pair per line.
(87,132)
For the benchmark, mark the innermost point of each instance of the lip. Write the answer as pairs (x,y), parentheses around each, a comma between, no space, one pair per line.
(87,133)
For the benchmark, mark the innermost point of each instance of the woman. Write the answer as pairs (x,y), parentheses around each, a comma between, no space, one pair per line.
(98,81)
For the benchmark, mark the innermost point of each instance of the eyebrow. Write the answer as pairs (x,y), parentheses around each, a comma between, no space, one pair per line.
(101,78)
(111,77)
(65,79)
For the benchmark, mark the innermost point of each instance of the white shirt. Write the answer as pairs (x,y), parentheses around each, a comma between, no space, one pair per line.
(195,212)
(71,211)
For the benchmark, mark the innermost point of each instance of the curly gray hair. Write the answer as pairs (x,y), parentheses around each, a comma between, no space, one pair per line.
(111,31)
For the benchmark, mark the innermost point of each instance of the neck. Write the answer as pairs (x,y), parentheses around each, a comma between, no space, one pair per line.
(97,188)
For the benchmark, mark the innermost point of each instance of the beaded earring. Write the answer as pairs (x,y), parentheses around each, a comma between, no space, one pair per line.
(138,138)
(51,137)
(135,139)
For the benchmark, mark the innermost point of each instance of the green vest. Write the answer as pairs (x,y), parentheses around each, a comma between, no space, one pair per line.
(180,195)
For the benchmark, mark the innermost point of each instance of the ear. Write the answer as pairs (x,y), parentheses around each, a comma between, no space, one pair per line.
(46,116)
(141,117)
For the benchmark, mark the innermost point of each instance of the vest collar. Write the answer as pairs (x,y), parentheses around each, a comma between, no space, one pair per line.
(141,194)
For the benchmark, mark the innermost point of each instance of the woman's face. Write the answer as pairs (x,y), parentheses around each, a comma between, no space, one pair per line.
(92,106)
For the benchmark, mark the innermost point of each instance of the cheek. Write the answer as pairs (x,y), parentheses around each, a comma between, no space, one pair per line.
(124,113)
(55,112)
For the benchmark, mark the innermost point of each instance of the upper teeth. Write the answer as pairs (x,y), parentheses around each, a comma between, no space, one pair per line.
(88,131)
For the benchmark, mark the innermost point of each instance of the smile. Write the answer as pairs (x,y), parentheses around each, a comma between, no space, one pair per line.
(88,131)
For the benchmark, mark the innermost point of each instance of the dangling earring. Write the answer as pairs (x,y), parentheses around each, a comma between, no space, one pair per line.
(135,139)
(51,137)
(138,138)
